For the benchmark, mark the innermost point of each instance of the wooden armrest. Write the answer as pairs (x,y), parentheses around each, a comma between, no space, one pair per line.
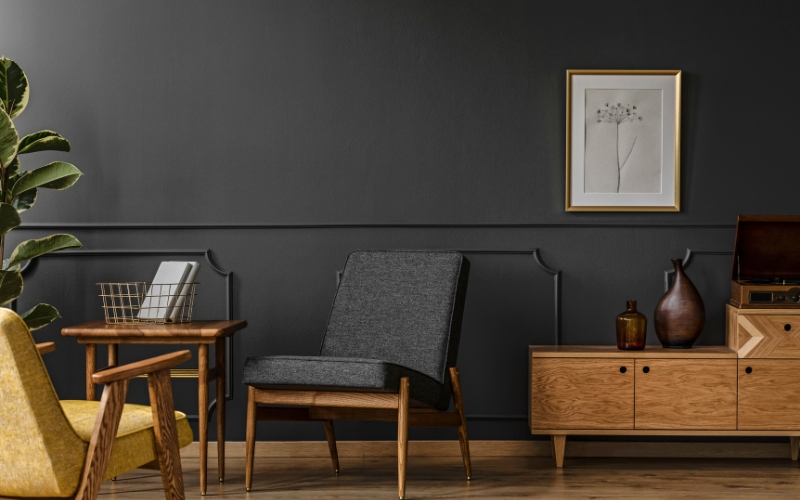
(131,370)
(117,380)
(46,347)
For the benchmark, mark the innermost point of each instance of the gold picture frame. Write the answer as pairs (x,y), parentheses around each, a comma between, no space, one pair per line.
(655,185)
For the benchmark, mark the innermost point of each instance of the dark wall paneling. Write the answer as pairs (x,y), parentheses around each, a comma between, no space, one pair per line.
(284,284)
(284,135)
(359,111)
(28,267)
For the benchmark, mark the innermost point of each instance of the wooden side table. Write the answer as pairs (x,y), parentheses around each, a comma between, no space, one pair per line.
(201,333)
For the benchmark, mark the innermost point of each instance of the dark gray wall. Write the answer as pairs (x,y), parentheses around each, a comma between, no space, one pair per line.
(335,125)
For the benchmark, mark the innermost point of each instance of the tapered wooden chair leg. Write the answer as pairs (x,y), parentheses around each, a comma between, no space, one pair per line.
(402,437)
(332,445)
(166,434)
(105,430)
(463,439)
(250,437)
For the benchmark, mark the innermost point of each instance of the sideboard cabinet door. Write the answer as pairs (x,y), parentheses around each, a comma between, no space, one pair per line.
(691,394)
(769,394)
(581,393)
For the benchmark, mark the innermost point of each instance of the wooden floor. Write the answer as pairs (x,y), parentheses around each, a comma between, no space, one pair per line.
(494,477)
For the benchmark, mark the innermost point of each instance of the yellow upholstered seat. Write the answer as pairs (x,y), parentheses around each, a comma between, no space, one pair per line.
(135,443)
(44,441)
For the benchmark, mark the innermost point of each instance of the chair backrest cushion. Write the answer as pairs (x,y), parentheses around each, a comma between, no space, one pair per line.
(40,454)
(404,307)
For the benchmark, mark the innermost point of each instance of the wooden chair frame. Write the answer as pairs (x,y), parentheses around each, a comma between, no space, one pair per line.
(328,406)
(116,380)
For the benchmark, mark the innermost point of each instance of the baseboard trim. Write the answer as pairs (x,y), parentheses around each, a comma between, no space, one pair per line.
(363,449)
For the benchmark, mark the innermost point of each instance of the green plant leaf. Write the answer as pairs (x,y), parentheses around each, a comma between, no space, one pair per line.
(14,90)
(9,218)
(46,140)
(15,267)
(8,140)
(13,168)
(13,178)
(56,175)
(25,200)
(10,286)
(31,249)
(40,316)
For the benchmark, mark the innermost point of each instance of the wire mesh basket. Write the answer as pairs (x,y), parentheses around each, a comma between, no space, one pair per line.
(143,302)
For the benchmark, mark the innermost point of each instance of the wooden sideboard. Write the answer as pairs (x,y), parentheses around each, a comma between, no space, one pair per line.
(749,387)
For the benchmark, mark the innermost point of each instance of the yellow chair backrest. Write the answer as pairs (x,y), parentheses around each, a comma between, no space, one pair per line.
(40,454)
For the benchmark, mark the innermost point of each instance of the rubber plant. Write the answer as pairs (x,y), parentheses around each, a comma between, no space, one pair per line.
(19,189)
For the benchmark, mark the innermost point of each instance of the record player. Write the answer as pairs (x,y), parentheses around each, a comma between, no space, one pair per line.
(766,262)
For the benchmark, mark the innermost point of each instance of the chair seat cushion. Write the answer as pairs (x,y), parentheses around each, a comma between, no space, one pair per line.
(135,443)
(341,374)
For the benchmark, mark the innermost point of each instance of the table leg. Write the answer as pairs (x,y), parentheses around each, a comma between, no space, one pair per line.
(91,367)
(219,353)
(202,412)
(113,360)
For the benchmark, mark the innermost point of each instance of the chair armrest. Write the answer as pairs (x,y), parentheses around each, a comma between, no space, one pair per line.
(46,347)
(112,403)
(146,366)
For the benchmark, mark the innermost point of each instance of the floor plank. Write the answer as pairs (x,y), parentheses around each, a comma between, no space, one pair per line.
(494,477)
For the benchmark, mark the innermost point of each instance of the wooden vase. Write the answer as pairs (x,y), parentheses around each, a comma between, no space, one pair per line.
(680,314)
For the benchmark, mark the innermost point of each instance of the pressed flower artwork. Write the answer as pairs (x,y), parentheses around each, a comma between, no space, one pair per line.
(623,149)
(623,140)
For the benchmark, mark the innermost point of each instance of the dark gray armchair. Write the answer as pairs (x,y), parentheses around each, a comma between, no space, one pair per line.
(389,353)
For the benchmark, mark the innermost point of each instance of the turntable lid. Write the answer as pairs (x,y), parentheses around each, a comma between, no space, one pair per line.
(767,247)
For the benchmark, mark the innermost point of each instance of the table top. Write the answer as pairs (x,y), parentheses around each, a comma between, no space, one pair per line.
(195,329)
(611,351)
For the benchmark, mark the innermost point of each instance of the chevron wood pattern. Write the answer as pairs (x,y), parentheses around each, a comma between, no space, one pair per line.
(768,336)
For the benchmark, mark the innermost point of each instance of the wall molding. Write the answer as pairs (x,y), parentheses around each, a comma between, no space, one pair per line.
(687,260)
(537,257)
(534,253)
(361,225)
(32,264)
(555,273)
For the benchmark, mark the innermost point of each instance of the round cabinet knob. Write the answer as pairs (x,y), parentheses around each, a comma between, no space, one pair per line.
(787,327)
(780,298)
(622,369)
(795,297)
(646,369)
(748,370)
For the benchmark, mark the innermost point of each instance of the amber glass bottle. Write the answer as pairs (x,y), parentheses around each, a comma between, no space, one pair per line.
(631,328)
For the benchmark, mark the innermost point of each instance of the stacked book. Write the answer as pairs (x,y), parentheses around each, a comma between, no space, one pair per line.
(167,294)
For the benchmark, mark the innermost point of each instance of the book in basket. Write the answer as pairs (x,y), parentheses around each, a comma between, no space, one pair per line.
(165,291)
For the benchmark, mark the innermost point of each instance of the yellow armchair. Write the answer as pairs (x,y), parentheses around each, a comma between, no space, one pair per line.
(52,448)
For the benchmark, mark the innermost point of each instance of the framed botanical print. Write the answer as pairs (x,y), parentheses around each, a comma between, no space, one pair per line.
(623,140)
